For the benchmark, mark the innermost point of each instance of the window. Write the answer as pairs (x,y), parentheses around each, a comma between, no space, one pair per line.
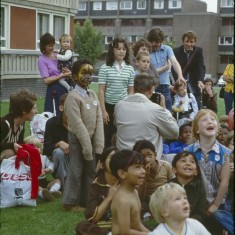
(126,5)
(82,6)
(227,3)
(4,29)
(226,40)
(54,24)
(111,6)
(141,5)
(97,6)
(158,4)
(174,3)
(108,39)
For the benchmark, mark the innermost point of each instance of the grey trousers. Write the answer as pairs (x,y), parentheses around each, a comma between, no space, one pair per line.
(61,162)
(81,174)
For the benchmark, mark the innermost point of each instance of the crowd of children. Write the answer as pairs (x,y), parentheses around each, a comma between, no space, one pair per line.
(122,188)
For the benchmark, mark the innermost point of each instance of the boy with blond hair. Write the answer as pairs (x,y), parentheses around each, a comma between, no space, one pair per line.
(170,207)
(213,159)
(127,166)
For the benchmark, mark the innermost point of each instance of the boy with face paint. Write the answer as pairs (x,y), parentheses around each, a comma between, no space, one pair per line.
(85,137)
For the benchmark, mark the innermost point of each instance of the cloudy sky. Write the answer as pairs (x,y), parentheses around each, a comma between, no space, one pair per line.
(211,5)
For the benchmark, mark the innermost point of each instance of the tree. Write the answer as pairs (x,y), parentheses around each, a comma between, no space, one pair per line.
(88,41)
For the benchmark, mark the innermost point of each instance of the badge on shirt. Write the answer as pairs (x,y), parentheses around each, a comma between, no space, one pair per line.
(217,157)
(95,102)
(88,106)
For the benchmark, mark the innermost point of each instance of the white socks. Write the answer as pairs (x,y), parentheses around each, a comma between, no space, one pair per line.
(55,187)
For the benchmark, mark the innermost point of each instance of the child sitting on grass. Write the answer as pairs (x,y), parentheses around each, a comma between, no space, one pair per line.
(128,167)
(48,190)
(213,159)
(101,193)
(185,138)
(188,175)
(170,208)
(158,172)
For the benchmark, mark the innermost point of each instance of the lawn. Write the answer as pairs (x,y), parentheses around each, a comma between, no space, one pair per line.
(49,217)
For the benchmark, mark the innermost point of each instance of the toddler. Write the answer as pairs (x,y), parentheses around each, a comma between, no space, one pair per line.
(64,58)
(170,208)
(184,104)
(47,190)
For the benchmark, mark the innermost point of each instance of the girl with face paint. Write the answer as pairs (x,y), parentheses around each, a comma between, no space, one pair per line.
(85,137)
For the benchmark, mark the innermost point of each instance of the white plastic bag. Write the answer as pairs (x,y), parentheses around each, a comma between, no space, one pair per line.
(15,185)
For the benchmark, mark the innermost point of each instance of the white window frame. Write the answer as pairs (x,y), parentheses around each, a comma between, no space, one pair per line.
(110,6)
(141,5)
(82,6)
(158,4)
(224,42)
(226,3)
(51,28)
(6,23)
(126,5)
(97,6)
(171,4)
(108,39)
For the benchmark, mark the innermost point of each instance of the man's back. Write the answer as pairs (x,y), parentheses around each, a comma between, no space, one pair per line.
(136,118)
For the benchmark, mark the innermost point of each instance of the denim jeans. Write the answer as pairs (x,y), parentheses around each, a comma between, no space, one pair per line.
(165,90)
(225,218)
(228,101)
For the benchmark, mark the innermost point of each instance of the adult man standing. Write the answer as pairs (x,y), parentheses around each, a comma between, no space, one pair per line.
(191,60)
(56,142)
(160,55)
(138,118)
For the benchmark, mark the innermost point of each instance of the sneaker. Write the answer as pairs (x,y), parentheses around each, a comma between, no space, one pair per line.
(47,196)
(56,194)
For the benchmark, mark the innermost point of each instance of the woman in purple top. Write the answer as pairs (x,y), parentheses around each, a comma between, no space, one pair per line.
(47,65)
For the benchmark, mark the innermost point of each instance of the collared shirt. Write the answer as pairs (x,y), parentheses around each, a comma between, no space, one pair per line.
(210,164)
(83,92)
(159,58)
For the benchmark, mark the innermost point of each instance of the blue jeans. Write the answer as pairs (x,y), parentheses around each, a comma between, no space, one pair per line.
(228,101)
(165,90)
(225,218)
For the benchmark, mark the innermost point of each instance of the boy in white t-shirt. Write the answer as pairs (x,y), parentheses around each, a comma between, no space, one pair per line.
(170,208)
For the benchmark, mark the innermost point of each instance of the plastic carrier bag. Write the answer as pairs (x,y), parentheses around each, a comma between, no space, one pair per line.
(15,185)
(38,125)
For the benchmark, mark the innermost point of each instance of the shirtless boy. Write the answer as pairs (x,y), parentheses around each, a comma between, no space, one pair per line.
(127,165)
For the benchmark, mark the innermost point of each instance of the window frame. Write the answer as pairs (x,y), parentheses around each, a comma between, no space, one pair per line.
(156,2)
(224,3)
(223,38)
(109,6)
(82,8)
(108,41)
(143,2)
(124,7)
(51,27)
(178,5)
(99,5)
(5,23)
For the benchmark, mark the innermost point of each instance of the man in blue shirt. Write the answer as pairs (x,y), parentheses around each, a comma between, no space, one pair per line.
(161,57)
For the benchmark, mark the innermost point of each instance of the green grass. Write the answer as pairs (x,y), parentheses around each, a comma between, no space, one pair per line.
(48,217)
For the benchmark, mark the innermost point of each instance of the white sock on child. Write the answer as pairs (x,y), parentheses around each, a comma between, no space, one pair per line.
(40,194)
(55,187)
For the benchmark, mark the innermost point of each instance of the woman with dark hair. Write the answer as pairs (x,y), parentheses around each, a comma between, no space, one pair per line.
(116,80)
(22,108)
(47,65)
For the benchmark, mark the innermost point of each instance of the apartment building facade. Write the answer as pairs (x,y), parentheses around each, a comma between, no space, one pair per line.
(132,19)
(22,24)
